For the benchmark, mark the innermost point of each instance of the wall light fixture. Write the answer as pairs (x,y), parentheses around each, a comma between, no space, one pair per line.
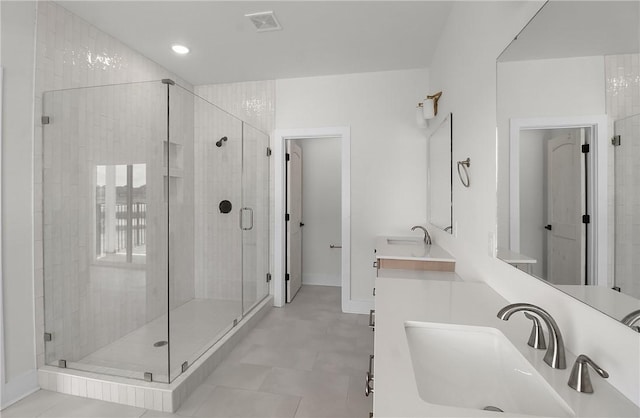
(427,109)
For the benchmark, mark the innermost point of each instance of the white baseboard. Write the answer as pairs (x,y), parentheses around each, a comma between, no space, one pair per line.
(358,306)
(18,388)
(322,280)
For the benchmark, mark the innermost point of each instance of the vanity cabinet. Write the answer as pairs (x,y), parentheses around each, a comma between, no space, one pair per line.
(410,253)
(398,258)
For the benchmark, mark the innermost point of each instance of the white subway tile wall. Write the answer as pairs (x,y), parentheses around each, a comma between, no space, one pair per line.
(221,169)
(71,53)
(87,305)
(623,107)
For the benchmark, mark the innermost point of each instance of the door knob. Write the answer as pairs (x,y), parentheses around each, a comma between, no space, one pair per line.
(548,227)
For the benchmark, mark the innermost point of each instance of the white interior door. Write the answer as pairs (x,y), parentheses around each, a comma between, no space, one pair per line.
(294,209)
(565,183)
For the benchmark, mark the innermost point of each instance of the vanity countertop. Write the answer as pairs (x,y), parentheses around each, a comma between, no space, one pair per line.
(512,257)
(409,248)
(469,303)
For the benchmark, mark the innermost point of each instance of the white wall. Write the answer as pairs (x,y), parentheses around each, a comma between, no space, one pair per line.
(388,151)
(321,211)
(464,68)
(18,43)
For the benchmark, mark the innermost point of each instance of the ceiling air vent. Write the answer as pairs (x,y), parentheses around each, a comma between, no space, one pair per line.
(264,21)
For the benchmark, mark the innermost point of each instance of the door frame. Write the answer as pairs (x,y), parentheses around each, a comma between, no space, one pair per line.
(279,149)
(3,369)
(597,169)
(287,196)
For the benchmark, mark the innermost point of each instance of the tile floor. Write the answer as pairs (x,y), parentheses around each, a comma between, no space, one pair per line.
(305,360)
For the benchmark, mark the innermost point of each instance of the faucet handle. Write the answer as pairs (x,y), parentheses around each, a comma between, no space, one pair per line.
(536,339)
(579,378)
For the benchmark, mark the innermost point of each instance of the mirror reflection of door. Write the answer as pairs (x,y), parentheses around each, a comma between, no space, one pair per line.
(294,223)
(565,190)
(552,202)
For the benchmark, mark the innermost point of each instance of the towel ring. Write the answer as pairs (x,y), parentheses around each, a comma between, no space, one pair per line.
(464,164)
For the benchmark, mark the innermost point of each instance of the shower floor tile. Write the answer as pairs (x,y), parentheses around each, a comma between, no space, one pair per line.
(195,326)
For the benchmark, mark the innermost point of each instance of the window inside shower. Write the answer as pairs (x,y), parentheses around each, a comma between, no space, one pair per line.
(121,207)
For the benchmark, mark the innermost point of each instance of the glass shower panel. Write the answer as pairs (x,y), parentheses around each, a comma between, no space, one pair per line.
(205,247)
(105,229)
(255,216)
(627,204)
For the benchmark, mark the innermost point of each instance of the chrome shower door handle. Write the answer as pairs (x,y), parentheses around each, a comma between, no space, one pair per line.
(251,218)
(242,210)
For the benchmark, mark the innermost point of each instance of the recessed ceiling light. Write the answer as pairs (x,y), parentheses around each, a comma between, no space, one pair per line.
(180,49)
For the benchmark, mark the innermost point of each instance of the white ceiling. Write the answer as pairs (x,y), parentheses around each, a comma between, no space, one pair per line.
(319,37)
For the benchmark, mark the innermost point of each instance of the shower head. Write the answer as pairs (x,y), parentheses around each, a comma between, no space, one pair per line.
(220,141)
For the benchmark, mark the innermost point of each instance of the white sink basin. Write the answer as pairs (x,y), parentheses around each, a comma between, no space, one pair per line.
(404,241)
(477,367)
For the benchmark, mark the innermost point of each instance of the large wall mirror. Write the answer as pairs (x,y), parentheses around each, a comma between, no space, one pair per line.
(568,116)
(440,200)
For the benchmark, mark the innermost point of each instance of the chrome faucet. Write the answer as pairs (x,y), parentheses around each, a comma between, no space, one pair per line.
(555,356)
(579,378)
(536,339)
(427,237)
(632,318)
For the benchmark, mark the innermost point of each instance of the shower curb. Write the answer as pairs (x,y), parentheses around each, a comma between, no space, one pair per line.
(165,397)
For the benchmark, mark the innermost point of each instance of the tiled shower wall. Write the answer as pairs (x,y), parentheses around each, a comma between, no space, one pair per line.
(71,53)
(252,101)
(218,176)
(89,303)
(623,105)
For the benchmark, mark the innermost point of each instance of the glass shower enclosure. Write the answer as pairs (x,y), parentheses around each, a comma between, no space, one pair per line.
(156,227)
(627,204)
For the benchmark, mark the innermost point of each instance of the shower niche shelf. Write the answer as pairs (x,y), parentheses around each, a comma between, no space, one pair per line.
(174,153)
(173,189)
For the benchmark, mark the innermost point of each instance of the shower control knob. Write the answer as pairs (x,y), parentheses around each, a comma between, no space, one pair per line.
(225,206)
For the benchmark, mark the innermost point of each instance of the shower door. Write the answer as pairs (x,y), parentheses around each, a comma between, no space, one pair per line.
(627,203)
(255,216)
(105,230)
(218,224)
(205,247)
